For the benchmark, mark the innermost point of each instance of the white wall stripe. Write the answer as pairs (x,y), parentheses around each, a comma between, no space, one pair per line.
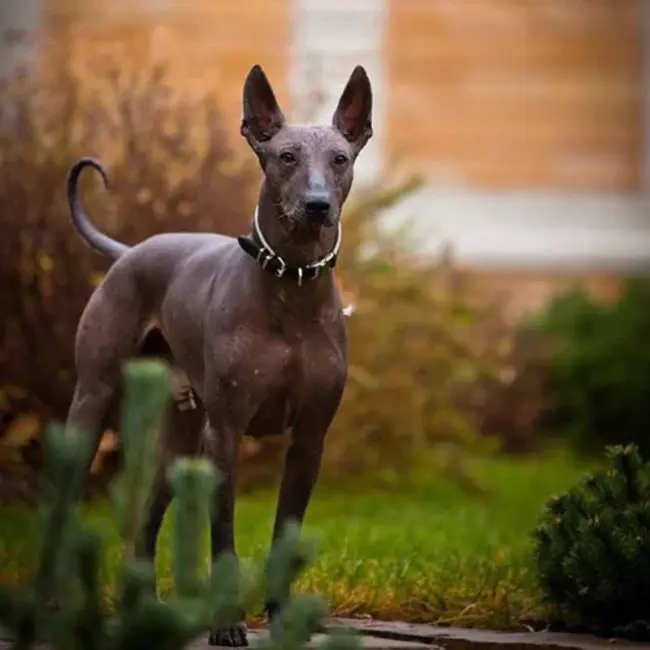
(330,37)
(527,229)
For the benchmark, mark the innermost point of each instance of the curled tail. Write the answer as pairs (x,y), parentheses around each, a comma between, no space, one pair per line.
(93,237)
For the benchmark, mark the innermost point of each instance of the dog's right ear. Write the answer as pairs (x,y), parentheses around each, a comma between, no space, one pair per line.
(262,115)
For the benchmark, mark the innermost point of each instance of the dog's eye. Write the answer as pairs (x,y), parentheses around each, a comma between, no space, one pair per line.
(340,159)
(287,158)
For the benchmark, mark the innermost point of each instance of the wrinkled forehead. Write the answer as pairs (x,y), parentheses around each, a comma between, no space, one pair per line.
(310,138)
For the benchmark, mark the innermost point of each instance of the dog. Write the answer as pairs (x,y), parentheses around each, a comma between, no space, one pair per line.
(255,322)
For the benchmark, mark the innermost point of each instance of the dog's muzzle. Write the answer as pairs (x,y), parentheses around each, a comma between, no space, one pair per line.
(318,207)
(318,200)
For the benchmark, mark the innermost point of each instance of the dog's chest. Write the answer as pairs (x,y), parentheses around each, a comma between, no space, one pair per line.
(288,376)
(273,378)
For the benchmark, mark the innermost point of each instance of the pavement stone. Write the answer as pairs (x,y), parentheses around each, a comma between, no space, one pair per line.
(384,635)
(453,638)
(256,636)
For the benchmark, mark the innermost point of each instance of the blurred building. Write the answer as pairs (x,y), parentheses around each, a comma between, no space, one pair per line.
(529,118)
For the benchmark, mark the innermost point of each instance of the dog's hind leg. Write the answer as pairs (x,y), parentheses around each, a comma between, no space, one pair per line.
(107,336)
(160,498)
(179,437)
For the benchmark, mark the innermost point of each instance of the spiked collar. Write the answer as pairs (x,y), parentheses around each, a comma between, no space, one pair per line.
(261,251)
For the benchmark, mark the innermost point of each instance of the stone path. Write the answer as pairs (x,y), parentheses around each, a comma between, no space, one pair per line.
(379,635)
(255,636)
(454,638)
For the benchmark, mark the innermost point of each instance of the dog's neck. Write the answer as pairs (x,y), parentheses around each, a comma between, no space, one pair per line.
(296,243)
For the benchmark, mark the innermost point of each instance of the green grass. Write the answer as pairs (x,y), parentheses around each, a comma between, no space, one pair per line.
(432,554)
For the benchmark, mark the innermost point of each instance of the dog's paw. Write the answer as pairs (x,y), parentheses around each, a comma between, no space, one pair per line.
(272,610)
(233,636)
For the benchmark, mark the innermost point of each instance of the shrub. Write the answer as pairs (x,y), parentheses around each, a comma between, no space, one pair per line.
(508,404)
(599,375)
(172,170)
(70,560)
(592,546)
(409,350)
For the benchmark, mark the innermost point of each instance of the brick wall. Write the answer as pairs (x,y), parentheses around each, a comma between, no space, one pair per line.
(209,44)
(541,94)
(517,93)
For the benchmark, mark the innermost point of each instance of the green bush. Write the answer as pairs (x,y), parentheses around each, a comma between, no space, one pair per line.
(592,548)
(70,568)
(599,374)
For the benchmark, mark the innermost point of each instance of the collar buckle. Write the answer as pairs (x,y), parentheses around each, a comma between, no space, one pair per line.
(282,267)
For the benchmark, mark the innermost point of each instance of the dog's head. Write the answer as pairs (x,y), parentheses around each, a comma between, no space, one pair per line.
(308,169)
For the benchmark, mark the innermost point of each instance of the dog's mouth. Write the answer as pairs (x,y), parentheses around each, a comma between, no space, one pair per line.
(327,221)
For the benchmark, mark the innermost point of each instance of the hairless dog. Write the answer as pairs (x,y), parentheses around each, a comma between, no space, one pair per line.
(255,322)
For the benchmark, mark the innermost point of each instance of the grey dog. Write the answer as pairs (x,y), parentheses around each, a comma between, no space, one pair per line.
(254,322)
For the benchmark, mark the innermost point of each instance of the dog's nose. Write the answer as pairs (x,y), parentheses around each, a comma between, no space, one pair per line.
(317,204)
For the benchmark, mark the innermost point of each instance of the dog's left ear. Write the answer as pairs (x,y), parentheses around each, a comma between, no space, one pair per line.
(353,115)
(262,115)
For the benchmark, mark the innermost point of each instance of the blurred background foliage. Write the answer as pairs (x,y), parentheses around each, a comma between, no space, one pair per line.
(599,372)
(434,376)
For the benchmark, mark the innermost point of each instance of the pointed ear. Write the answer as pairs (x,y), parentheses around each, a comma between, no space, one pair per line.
(353,115)
(262,116)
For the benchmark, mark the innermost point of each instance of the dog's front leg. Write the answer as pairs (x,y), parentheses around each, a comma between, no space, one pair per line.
(302,466)
(222,445)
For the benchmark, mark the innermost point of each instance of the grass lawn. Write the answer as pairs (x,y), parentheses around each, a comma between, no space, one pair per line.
(433,554)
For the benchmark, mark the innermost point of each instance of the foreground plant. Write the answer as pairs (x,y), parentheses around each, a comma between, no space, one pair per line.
(70,561)
(592,548)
